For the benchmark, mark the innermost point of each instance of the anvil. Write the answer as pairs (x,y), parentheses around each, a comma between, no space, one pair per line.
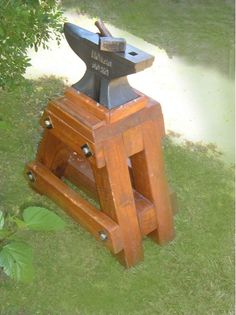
(105,79)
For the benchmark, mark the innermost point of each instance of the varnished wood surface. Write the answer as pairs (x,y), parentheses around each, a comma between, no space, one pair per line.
(72,137)
(80,173)
(117,201)
(81,101)
(77,132)
(135,200)
(150,180)
(82,211)
(53,153)
(95,128)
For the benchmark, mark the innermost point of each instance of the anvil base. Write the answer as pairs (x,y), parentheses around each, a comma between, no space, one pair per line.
(114,156)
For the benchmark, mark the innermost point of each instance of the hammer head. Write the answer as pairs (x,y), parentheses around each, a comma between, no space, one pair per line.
(112,44)
(105,79)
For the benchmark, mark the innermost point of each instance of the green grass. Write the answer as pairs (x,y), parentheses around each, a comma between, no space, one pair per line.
(199,31)
(75,275)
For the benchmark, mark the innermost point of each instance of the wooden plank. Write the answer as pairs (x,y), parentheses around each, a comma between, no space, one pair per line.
(127,109)
(81,100)
(82,211)
(80,114)
(106,132)
(150,180)
(118,119)
(117,200)
(81,123)
(53,153)
(79,173)
(133,140)
(73,139)
(145,213)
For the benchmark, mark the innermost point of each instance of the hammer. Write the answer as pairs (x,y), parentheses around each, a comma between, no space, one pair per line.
(107,42)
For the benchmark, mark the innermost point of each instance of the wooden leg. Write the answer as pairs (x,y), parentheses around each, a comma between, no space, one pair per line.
(117,200)
(53,153)
(150,180)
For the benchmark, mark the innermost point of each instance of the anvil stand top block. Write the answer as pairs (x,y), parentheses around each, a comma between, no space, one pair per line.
(116,157)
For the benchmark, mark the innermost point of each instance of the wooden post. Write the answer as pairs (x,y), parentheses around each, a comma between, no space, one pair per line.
(117,200)
(150,181)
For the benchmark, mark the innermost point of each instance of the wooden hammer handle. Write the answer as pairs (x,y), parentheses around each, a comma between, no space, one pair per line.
(102,28)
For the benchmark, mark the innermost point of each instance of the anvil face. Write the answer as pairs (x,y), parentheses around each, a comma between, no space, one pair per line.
(105,78)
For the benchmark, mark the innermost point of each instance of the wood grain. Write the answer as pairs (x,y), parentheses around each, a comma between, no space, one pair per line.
(117,200)
(125,171)
(81,210)
(82,101)
(72,138)
(150,180)
(53,153)
(80,173)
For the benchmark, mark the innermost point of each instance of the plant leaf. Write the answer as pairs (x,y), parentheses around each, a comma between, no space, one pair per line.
(41,219)
(16,260)
(1,220)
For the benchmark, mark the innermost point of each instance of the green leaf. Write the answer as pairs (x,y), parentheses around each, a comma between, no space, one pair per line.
(16,261)
(41,219)
(1,220)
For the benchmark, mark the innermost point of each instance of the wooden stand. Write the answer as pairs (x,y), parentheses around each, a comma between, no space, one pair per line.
(124,169)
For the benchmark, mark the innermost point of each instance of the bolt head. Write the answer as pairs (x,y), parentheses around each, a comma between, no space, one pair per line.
(48,123)
(86,150)
(103,236)
(31,176)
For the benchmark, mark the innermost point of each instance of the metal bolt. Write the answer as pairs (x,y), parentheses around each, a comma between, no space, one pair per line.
(31,176)
(103,236)
(86,150)
(48,123)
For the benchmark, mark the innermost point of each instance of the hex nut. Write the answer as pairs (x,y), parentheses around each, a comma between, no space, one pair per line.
(48,123)
(103,236)
(31,176)
(86,150)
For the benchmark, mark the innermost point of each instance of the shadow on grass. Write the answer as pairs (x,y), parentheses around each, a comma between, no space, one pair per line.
(75,275)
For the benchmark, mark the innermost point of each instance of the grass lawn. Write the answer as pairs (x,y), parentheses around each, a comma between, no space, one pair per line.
(75,275)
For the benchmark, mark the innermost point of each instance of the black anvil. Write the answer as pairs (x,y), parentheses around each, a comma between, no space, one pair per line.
(105,79)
